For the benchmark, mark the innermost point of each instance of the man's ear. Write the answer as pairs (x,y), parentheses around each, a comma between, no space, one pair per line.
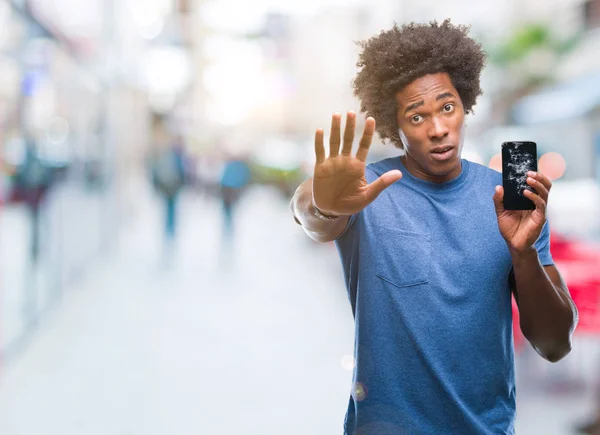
(400,135)
(397,139)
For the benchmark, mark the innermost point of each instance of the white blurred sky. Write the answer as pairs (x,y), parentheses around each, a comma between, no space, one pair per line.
(83,18)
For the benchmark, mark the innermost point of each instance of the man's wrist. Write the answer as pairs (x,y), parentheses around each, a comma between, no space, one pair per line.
(319,214)
(524,257)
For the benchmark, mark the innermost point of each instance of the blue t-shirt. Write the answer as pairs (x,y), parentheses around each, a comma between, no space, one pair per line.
(427,274)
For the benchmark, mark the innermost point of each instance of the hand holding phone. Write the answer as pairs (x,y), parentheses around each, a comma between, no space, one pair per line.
(518,158)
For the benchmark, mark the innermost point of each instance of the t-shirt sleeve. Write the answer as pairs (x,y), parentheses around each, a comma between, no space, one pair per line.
(542,246)
(348,226)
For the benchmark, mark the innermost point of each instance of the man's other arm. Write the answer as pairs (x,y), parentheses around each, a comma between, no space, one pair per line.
(548,316)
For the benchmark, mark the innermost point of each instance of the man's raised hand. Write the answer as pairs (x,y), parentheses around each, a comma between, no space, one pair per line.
(339,183)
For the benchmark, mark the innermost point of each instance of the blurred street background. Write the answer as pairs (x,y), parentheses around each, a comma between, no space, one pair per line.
(152,278)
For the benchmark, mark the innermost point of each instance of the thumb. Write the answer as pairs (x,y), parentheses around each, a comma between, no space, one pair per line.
(498,200)
(382,183)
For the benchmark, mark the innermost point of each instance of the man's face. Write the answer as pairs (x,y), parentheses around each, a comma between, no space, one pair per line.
(430,120)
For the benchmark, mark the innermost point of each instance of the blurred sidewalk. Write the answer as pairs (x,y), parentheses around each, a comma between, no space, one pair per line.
(251,346)
(70,239)
(203,346)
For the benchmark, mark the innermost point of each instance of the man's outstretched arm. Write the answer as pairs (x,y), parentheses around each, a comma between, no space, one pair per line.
(339,187)
(303,209)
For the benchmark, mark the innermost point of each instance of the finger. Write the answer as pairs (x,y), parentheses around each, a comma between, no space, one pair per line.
(540,204)
(334,137)
(382,183)
(365,140)
(539,188)
(349,133)
(499,200)
(319,148)
(542,179)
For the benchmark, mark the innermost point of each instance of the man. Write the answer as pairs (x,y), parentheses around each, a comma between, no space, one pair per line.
(430,256)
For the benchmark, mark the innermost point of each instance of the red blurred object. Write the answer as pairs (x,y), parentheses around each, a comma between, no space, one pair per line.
(579,264)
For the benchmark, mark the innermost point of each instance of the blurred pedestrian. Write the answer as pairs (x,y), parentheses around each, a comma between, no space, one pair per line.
(32,181)
(169,177)
(235,178)
(592,426)
(430,256)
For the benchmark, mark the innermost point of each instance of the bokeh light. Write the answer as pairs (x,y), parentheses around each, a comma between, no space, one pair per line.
(347,362)
(553,165)
(496,162)
(359,392)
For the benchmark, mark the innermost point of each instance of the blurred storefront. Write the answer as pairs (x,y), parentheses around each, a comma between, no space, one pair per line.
(57,97)
(565,117)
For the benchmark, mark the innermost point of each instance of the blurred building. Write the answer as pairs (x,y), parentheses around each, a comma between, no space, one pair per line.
(71,82)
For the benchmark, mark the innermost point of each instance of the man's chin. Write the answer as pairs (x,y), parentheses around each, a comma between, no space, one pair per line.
(437,169)
(445,167)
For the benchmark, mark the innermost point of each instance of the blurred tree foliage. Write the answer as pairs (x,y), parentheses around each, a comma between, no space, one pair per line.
(533,50)
(285,180)
(525,61)
(528,38)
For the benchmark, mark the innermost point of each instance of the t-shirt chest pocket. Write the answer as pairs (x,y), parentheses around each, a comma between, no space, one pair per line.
(405,257)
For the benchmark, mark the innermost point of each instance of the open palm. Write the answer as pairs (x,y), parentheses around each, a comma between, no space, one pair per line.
(339,183)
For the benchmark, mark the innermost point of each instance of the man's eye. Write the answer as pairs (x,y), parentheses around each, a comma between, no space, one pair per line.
(416,119)
(448,107)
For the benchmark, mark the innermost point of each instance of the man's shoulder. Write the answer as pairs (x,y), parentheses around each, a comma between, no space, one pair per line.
(383,165)
(481,171)
(480,167)
(485,172)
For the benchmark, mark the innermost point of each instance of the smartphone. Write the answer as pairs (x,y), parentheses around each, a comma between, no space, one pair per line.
(518,158)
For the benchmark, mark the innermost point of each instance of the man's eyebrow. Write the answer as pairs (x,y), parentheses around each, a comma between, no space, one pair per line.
(444,95)
(420,103)
(413,106)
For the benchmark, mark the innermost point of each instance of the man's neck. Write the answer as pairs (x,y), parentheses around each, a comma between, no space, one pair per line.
(418,172)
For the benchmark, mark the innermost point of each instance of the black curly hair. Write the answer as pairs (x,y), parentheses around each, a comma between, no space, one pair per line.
(396,57)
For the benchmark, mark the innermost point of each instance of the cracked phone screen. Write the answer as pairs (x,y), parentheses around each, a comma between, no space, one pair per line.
(520,163)
(518,158)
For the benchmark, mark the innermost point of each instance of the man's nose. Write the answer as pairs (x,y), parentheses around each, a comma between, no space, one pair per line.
(438,128)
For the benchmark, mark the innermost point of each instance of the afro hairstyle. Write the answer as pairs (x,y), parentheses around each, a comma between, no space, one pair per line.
(395,58)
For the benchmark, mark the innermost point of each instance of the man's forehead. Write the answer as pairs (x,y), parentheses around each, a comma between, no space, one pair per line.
(426,87)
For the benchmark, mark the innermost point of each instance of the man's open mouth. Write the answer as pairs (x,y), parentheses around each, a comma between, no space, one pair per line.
(442,153)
